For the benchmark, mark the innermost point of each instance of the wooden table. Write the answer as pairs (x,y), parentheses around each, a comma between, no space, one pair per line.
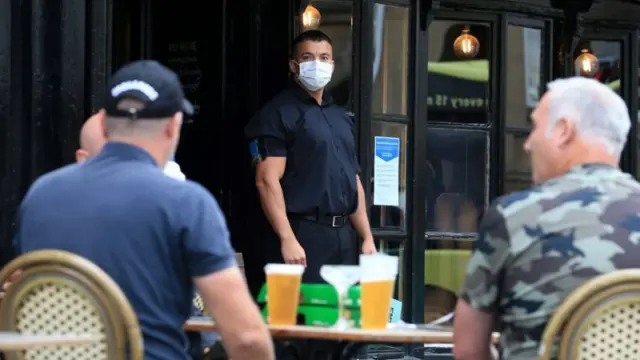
(439,335)
(10,341)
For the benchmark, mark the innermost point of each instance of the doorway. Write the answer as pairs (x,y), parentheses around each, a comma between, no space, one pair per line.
(229,64)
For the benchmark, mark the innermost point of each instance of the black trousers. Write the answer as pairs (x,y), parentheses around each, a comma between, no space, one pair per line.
(323,245)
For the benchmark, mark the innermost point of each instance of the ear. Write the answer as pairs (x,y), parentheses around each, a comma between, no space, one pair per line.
(172,128)
(294,67)
(81,155)
(566,131)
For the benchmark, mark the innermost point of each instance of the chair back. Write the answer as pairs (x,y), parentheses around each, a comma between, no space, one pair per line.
(600,320)
(59,292)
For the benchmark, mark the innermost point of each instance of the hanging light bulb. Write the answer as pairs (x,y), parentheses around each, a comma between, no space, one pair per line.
(310,18)
(586,63)
(466,46)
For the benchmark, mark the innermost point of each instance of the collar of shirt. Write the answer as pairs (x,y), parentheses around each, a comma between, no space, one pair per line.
(303,96)
(123,151)
(591,167)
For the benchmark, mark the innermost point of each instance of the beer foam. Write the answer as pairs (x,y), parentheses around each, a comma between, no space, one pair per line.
(284,269)
(378,276)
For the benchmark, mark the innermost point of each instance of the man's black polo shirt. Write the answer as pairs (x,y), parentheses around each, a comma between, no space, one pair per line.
(152,234)
(319,144)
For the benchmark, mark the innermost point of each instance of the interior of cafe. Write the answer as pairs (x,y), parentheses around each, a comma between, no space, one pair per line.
(451,83)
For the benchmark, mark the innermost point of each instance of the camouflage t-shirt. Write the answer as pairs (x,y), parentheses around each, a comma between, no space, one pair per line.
(535,246)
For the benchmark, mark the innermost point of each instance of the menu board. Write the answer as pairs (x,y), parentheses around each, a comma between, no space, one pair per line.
(183,59)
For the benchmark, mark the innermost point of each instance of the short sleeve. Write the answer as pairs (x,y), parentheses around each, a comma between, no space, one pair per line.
(205,235)
(267,133)
(485,270)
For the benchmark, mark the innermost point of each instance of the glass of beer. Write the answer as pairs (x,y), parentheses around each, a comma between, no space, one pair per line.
(283,292)
(378,277)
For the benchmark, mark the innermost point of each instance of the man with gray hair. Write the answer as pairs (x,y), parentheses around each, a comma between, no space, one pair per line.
(153,235)
(579,220)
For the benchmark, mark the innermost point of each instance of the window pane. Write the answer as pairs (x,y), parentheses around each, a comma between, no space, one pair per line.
(445,263)
(524,52)
(517,163)
(389,193)
(457,163)
(390,59)
(336,21)
(458,88)
(608,54)
(396,249)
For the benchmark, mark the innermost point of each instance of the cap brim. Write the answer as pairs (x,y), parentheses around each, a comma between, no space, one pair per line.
(187,107)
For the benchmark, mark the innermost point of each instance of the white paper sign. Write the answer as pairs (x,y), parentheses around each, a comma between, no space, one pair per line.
(386,171)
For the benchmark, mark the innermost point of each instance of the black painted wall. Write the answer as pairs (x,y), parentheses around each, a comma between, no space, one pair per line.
(54,58)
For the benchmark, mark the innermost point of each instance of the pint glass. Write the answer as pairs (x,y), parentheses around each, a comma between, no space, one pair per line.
(283,292)
(377,282)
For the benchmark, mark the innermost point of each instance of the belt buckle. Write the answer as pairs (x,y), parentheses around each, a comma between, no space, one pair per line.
(334,220)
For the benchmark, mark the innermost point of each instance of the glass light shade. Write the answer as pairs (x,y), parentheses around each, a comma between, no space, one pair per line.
(466,46)
(310,18)
(586,64)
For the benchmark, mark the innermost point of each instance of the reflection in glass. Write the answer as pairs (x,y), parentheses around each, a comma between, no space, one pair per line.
(458,89)
(523,73)
(390,61)
(336,22)
(445,266)
(457,164)
(608,54)
(383,214)
(517,163)
(396,249)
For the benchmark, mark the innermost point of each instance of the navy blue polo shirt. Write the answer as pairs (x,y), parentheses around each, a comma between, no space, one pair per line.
(152,234)
(319,144)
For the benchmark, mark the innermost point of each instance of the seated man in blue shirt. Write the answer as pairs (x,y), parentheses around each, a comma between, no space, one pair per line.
(153,235)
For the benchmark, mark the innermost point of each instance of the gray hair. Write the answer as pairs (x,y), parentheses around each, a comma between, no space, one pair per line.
(596,110)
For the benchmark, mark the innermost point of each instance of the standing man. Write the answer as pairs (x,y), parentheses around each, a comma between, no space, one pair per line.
(580,220)
(153,235)
(303,147)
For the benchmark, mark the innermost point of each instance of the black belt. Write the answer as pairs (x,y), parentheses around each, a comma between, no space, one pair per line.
(329,220)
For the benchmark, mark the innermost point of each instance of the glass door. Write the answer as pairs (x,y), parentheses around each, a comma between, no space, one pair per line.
(384,114)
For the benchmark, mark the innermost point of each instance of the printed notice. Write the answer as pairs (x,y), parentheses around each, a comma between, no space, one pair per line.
(386,171)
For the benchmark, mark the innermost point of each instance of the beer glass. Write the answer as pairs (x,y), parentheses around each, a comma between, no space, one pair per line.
(283,292)
(341,277)
(377,280)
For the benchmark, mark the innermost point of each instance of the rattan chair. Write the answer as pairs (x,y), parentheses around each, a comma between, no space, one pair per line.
(59,292)
(600,320)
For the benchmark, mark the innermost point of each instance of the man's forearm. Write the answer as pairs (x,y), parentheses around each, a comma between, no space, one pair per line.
(272,201)
(255,350)
(359,219)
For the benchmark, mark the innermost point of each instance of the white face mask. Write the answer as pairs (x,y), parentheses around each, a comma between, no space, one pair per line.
(314,75)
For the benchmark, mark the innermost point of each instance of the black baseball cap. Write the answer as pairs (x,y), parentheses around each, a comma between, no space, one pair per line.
(150,83)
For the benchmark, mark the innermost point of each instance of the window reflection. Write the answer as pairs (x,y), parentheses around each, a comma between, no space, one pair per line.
(608,53)
(383,213)
(395,248)
(457,164)
(458,89)
(445,265)
(336,22)
(524,52)
(390,59)
(517,162)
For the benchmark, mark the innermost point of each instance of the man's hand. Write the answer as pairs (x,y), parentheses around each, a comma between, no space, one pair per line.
(368,246)
(292,252)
